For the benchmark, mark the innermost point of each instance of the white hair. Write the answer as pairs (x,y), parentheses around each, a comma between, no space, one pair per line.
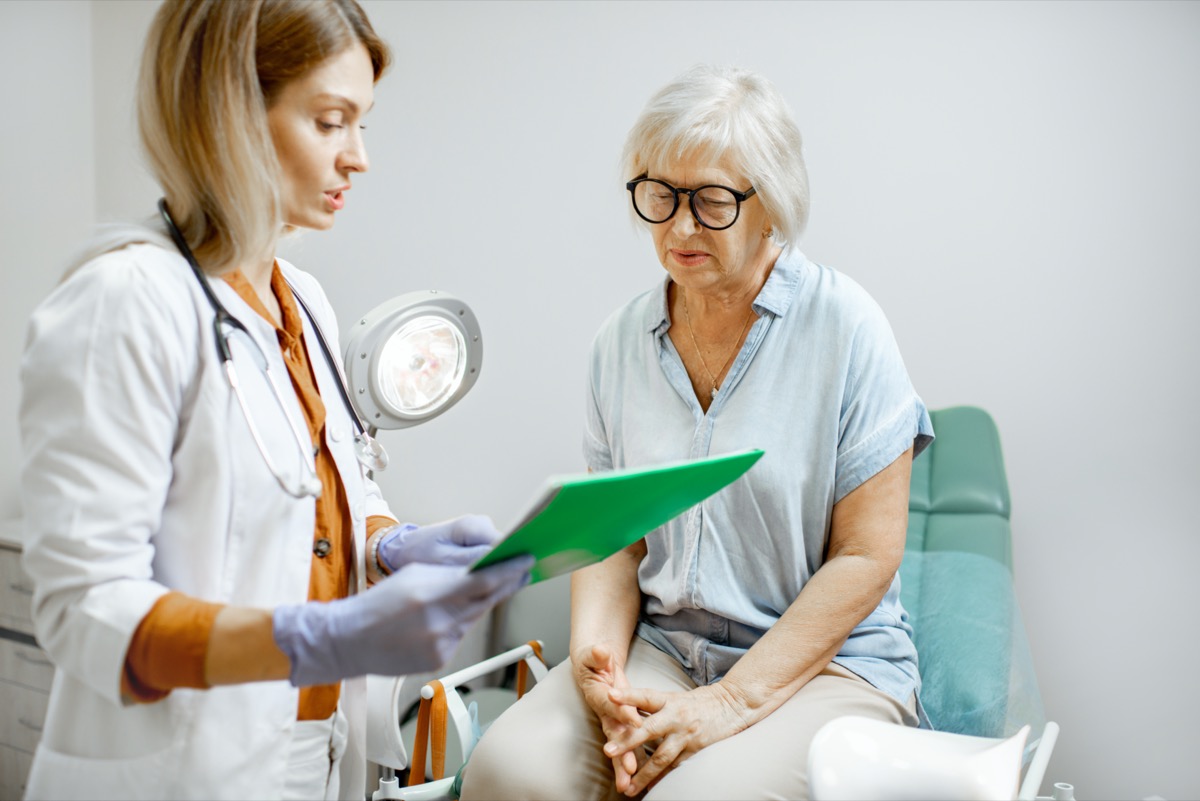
(733,115)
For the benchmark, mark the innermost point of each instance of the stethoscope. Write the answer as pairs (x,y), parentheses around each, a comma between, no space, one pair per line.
(225,327)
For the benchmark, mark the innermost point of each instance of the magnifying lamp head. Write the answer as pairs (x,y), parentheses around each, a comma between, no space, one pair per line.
(412,358)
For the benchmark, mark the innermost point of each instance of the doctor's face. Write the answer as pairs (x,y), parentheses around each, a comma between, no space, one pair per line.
(316,126)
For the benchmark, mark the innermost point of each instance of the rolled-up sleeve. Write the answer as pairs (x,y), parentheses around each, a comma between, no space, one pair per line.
(882,416)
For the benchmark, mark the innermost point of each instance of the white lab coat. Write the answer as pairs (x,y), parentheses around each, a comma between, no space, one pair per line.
(140,475)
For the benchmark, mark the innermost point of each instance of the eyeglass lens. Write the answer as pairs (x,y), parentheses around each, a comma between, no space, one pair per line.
(714,206)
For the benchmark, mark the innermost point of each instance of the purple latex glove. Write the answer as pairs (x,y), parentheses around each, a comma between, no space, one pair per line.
(461,541)
(411,622)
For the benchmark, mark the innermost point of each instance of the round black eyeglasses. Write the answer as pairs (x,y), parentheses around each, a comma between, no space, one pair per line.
(714,207)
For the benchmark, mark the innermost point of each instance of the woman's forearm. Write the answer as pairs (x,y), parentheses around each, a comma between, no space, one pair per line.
(866,544)
(241,648)
(605,600)
(809,634)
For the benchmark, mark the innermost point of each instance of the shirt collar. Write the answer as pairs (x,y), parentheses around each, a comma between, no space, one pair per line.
(782,284)
(775,297)
(658,320)
(292,322)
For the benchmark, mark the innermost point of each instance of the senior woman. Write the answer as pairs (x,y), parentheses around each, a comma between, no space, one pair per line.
(705,657)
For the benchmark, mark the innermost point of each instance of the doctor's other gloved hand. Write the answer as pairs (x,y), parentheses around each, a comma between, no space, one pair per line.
(410,622)
(461,541)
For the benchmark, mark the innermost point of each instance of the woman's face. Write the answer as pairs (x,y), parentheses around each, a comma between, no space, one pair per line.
(733,260)
(315,124)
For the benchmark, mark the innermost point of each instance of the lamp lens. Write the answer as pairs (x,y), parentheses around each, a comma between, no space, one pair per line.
(422,365)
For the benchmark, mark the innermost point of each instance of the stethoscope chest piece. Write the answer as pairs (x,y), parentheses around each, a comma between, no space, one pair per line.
(370,453)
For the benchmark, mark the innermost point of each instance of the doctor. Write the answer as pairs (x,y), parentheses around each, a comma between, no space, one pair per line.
(201,529)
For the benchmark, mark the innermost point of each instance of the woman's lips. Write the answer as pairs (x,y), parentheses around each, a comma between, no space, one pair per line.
(336,200)
(689,258)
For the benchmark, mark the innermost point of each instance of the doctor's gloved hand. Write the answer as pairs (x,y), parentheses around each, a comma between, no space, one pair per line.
(410,622)
(461,541)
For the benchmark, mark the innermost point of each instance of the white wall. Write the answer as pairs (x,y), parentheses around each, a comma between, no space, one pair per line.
(1018,184)
(47,179)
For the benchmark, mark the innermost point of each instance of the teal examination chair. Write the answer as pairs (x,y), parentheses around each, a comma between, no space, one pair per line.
(991,738)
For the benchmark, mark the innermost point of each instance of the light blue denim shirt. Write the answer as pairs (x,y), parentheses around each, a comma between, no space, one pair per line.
(820,386)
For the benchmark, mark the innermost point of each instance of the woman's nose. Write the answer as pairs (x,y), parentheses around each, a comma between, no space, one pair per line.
(684,221)
(354,157)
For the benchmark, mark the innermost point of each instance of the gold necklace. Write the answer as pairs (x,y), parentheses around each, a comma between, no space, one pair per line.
(712,381)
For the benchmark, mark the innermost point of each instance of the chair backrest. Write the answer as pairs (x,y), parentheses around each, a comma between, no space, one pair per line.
(956,583)
(958,498)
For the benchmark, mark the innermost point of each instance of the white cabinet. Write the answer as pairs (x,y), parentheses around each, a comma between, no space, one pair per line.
(25,676)
(16,592)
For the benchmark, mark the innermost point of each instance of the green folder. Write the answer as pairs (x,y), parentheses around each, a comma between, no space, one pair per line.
(584,518)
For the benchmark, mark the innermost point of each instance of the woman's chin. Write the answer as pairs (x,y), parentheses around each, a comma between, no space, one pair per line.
(315,223)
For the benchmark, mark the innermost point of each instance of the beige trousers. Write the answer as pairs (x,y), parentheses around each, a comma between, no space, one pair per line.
(547,746)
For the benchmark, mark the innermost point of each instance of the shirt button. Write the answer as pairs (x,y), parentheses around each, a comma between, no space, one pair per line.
(336,433)
(322,547)
(358,511)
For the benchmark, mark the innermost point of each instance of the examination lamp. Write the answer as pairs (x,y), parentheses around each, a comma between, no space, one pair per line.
(412,358)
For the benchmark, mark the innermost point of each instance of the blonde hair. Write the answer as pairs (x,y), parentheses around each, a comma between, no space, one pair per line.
(727,114)
(210,71)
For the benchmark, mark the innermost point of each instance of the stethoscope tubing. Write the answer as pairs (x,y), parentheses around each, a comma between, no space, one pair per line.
(334,367)
(223,316)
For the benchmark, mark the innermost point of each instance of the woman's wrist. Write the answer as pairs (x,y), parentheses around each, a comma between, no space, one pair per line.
(376,570)
(242,648)
(583,653)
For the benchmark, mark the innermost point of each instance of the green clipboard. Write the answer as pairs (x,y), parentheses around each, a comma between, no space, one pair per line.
(584,518)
